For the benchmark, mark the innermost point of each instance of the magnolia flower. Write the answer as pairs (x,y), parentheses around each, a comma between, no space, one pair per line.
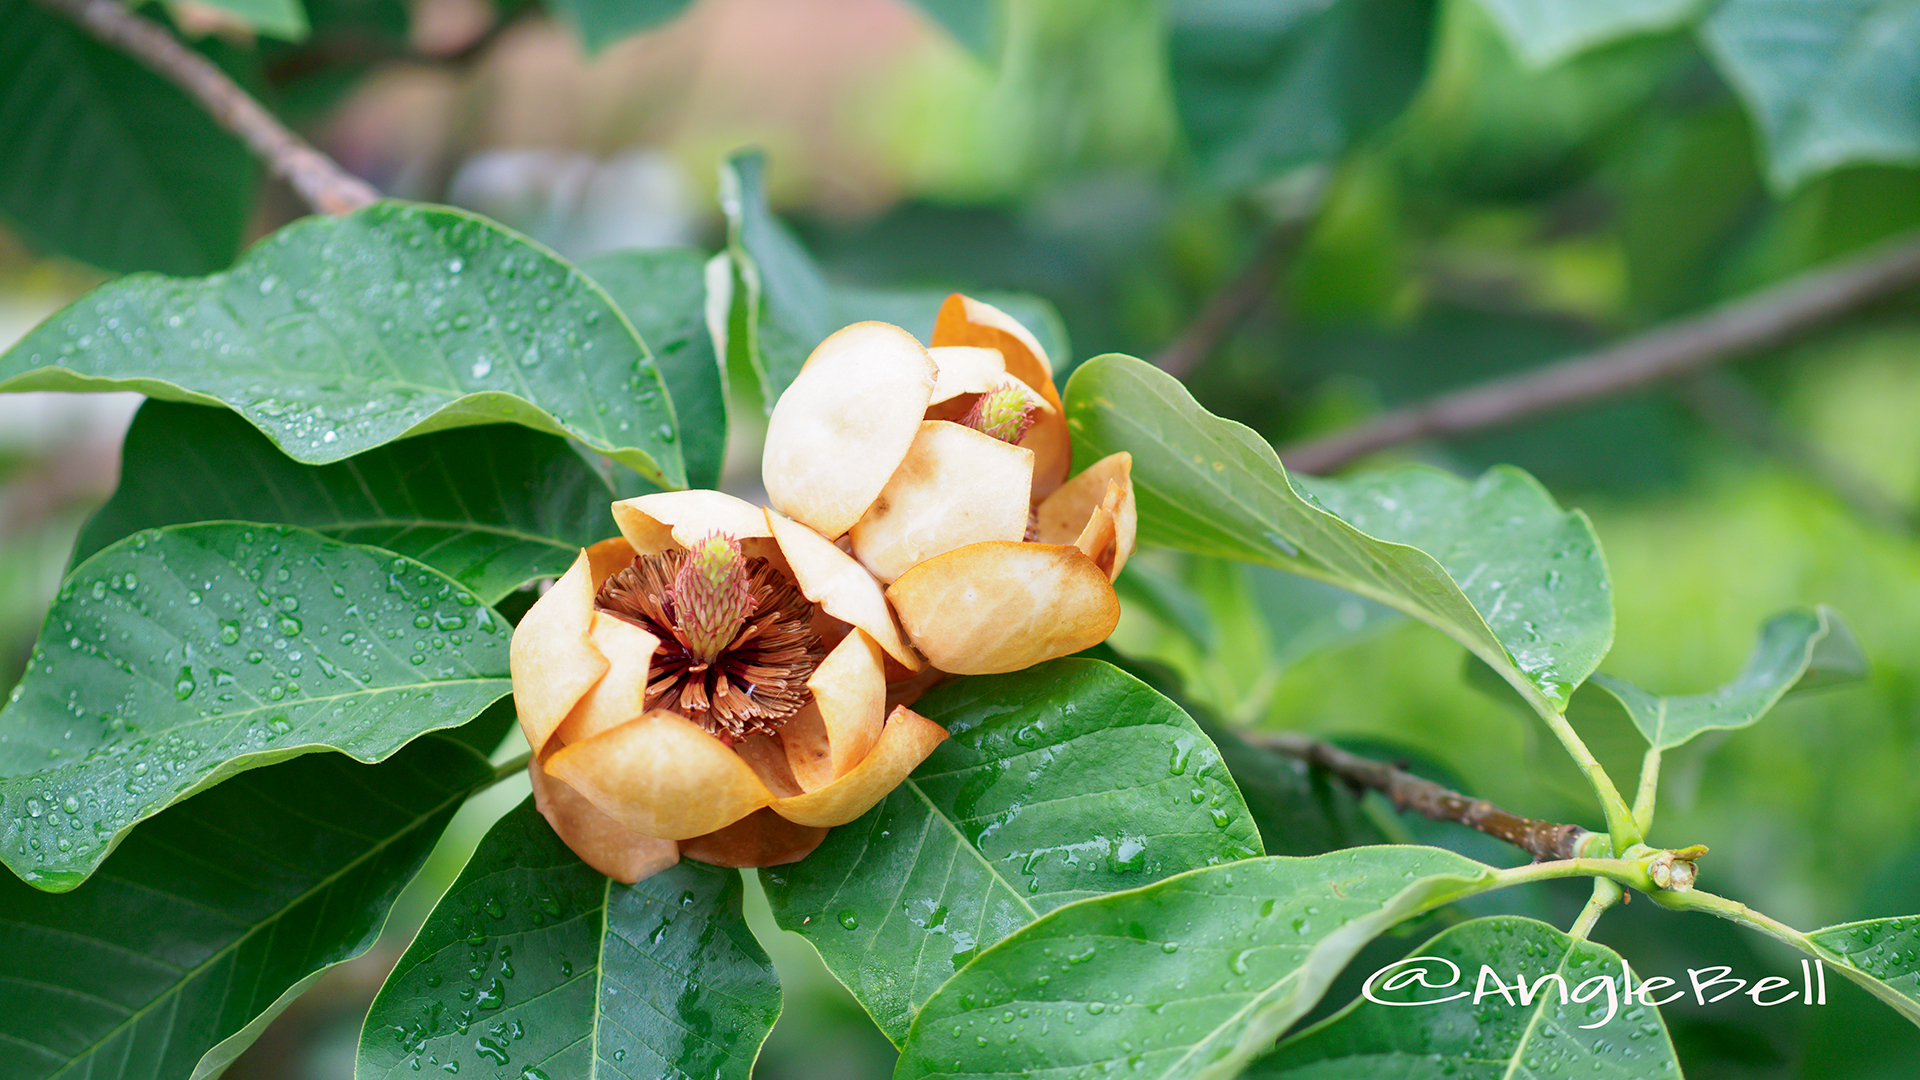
(944,471)
(711,683)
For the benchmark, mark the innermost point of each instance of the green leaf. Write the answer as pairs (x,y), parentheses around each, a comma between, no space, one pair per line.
(1545,32)
(340,334)
(1497,1035)
(1191,977)
(1830,82)
(106,161)
(1882,955)
(215,915)
(284,19)
(181,656)
(969,21)
(534,965)
(1263,88)
(1492,563)
(1799,649)
(663,293)
(493,507)
(789,307)
(600,23)
(1067,780)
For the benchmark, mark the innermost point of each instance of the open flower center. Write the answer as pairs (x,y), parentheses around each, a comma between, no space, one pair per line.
(737,644)
(1005,414)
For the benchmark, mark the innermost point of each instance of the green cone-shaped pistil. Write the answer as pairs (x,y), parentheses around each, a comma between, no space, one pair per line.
(711,595)
(1003,414)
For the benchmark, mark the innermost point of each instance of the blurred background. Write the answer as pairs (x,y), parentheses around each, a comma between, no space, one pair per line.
(1312,211)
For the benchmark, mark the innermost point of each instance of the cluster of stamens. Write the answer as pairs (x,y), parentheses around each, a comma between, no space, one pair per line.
(1005,414)
(737,644)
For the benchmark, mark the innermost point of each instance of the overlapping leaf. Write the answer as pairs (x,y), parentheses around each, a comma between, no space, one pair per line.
(493,507)
(181,656)
(1067,780)
(1830,82)
(339,335)
(783,307)
(663,292)
(1545,32)
(108,162)
(1191,977)
(1438,1027)
(215,915)
(1265,88)
(535,966)
(1882,955)
(1493,562)
(284,19)
(1797,649)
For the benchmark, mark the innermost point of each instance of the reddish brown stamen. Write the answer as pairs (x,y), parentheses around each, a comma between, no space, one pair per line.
(755,682)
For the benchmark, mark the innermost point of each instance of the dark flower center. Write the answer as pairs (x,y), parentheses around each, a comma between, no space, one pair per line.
(752,683)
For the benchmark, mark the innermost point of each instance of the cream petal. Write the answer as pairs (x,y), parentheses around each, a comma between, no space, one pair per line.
(955,487)
(904,743)
(601,842)
(809,751)
(965,369)
(842,587)
(662,775)
(850,688)
(966,321)
(1063,516)
(552,658)
(762,838)
(1052,446)
(839,430)
(621,694)
(652,523)
(1001,607)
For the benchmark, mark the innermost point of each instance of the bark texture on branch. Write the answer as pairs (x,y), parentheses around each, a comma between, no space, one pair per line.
(1544,840)
(1744,326)
(319,180)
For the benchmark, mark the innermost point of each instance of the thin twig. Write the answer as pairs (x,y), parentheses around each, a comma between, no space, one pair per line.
(318,179)
(1544,840)
(1233,304)
(1765,318)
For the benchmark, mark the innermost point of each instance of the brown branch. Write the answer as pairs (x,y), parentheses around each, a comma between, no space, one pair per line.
(1544,840)
(1744,326)
(1233,304)
(318,179)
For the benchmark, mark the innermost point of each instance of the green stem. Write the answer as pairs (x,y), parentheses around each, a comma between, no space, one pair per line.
(1649,789)
(1605,894)
(511,768)
(1621,826)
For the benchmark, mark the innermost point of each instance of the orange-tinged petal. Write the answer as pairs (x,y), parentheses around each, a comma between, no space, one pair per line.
(808,750)
(956,487)
(601,842)
(662,775)
(842,587)
(762,838)
(552,657)
(904,743)
(1068,512)
(652,523)
(621,694)
(767,757)
(1001,607)
(850,688)
(966,321)
(842,427)
(965,369)
(608,556)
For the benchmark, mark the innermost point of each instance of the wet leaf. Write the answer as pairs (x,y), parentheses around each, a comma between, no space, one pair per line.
(491,507)
(535,966)
(182,656)
(1191,977)
(338,335)
(1829,83)
(1799,649)
(215,915)
(1067,780)
(1882,955)
(1492,563)
(1488,1036)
